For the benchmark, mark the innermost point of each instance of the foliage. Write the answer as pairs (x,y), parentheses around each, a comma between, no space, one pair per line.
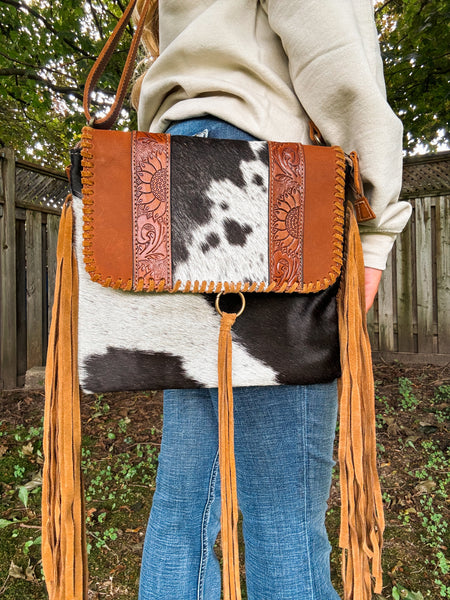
(122,435)
(47,48)
(415,47)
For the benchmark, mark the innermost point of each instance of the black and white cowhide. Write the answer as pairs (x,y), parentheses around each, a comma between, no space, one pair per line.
(219,221)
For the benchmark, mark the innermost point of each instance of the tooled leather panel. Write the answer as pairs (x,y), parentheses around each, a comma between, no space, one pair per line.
(151,210)
(286,213)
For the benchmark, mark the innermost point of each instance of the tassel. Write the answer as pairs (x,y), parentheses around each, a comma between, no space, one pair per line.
(227,465)
(362,519)
(64,557)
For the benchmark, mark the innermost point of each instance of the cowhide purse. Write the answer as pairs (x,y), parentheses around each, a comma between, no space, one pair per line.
(169,232)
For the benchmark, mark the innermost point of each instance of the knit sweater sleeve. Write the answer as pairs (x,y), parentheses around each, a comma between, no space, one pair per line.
(336,70)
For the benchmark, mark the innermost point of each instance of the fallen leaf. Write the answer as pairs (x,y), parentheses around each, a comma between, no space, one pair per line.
(411,439)
(28,449)
(393,429)
(397,567)
(35,481)
(117,569)
(425,487)
(29,574)
(16,571)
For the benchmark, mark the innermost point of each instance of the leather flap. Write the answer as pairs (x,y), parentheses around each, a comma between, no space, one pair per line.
(191,214)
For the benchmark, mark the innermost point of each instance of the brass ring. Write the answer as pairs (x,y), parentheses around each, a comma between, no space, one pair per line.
(242,307)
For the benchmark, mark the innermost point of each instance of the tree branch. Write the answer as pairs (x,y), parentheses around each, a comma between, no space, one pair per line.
(49,26)
(64,90)
(97,22)
(41,67)
(56,88)
(383,6)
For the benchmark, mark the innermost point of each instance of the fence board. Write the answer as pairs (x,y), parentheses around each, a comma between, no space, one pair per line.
(404,258)
(385,312)
(8,344)
(424,270)
(371,326)
(33,254)
(443,272)
(52,238)
(21,295)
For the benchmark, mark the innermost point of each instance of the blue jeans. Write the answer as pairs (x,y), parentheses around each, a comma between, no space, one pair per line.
(283,443)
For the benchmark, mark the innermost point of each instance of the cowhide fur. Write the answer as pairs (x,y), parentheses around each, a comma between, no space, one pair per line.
(219,223)
(133,341)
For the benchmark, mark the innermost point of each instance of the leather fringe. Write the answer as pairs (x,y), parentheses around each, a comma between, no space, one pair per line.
(229,514)
(64,557)
(362,519)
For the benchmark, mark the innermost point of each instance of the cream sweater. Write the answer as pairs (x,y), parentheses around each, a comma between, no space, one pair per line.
(267,66)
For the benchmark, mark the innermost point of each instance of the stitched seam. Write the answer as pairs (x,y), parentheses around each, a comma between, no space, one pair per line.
(305,469)
(205,522)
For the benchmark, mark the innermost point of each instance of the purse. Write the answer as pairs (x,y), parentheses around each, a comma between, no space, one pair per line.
(178,235)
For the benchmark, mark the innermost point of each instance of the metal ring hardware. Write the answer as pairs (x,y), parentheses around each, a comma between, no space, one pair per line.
(242,300)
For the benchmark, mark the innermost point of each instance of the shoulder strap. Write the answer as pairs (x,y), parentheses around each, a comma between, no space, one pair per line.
(102,61)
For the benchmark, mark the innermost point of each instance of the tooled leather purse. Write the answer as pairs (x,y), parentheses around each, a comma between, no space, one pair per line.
(163,244)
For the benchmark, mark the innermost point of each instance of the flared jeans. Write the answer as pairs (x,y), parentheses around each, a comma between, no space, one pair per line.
(284,445)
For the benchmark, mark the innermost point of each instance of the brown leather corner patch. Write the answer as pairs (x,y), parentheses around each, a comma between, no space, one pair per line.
(363,210)
(151,210)
(286,213)
(324,215)
(107,222)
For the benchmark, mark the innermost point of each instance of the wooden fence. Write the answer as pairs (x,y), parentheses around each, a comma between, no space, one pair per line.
(410,320)
(30,205)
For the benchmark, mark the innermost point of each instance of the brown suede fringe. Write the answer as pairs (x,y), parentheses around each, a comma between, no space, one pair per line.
(64,557)
(229,513)
(362,519)
(64,554)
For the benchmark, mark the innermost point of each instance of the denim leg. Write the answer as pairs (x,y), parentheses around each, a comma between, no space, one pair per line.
(284,445)
(178,561)
(208,126)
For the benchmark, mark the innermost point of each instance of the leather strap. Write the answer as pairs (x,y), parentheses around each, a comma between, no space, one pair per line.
(102,61)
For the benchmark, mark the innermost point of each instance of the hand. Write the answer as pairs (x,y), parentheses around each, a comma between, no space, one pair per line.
(372,279)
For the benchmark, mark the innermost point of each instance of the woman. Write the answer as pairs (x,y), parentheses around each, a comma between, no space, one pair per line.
(261,70)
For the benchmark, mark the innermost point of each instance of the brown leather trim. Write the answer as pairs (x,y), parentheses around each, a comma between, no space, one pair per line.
(286,213)
(107,230)
(151,210)
(363,210)
(323,228)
